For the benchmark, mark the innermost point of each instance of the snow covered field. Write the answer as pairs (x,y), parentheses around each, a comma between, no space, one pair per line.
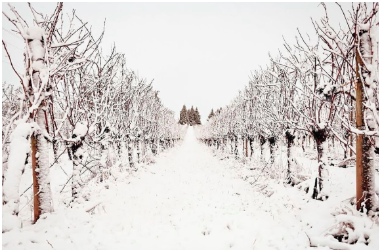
(189,199)
(92,158)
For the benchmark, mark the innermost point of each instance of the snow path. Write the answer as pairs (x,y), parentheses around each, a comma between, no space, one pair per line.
(189,200)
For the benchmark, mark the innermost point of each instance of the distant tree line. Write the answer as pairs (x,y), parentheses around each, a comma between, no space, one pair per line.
(190,116)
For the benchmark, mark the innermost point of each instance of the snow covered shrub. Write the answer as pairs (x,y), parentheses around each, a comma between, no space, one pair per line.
(353,227)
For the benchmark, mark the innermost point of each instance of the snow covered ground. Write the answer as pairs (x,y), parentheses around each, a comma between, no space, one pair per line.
(189,199)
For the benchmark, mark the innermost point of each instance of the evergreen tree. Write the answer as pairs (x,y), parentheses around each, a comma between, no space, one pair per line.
(197,117)
(191,116)
(183,116)
(211,115)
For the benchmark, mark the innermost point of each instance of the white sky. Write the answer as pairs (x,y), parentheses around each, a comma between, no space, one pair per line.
(198,54)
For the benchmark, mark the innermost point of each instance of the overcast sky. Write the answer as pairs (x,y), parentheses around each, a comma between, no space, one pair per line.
(198,54)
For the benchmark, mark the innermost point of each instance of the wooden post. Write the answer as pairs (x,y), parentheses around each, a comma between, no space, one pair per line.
(351,115)
(365,173)
(361,126)
(37,211)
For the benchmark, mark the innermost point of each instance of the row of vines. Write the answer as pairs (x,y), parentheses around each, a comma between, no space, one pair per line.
(325,91)
(73,100)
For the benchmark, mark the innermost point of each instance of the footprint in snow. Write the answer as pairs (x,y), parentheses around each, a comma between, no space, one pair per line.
(206,231)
